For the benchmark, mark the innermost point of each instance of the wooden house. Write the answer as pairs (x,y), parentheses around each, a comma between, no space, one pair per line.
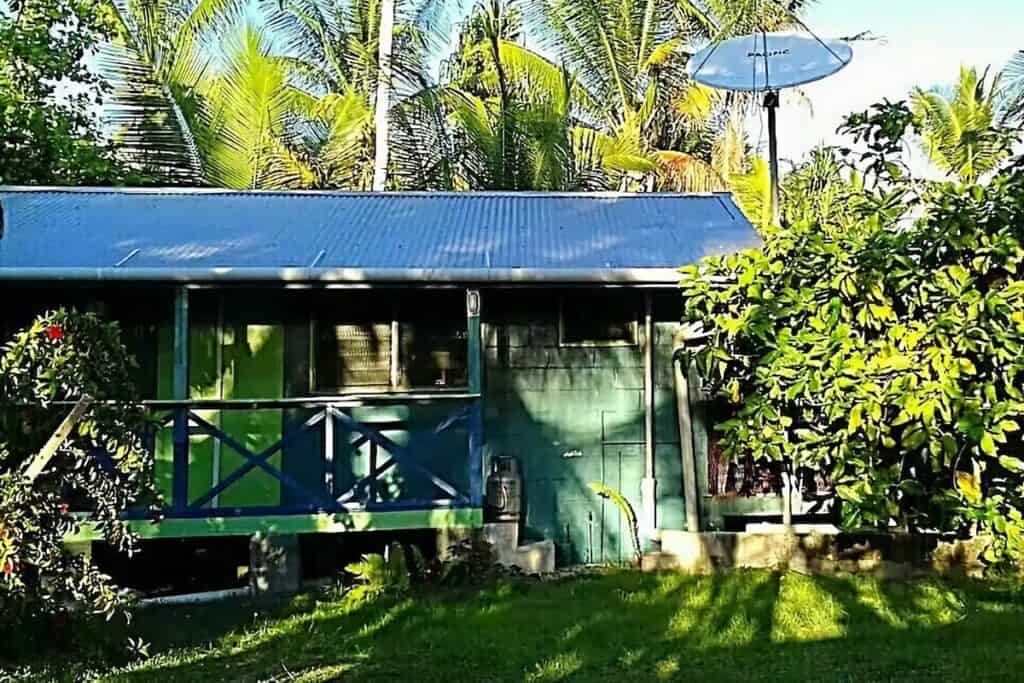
(337,362)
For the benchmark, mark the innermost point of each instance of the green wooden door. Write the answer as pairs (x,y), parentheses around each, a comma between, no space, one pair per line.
(623,471)
(588,529)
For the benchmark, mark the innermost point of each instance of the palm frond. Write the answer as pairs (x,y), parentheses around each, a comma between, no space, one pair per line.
(250,112)
(960,132)
(1011,98)
(752,191)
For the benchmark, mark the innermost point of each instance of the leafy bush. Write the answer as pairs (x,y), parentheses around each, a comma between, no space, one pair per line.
(885,353)
(469,561)
(376,575)
(101,467)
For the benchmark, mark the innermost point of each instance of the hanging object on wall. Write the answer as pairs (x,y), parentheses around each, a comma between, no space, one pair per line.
(766,63)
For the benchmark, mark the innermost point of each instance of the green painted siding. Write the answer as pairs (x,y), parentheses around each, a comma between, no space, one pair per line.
(236,350)
(573,415)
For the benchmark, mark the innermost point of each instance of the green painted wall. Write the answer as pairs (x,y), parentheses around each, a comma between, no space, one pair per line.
(236,350)
(574,415)
(571,414)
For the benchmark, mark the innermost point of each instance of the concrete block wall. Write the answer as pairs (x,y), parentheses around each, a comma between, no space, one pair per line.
(573,415)
(885,556)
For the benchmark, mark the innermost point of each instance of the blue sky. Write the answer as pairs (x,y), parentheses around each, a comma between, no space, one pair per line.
(925,43)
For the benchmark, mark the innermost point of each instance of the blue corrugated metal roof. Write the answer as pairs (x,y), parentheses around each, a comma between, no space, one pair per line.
(196,235)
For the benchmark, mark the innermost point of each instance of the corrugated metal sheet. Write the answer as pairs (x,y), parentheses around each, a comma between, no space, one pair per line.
(201,235)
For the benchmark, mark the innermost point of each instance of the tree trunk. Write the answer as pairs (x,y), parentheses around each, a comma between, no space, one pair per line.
(380,118)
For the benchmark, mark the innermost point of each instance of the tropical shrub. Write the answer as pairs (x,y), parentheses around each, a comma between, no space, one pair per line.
(884,351)
(377,575)
(469,561)
(101,467)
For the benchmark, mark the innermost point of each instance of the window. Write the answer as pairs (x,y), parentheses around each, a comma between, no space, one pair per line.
(599,318)
(434,353)
(353,356)
(419,343)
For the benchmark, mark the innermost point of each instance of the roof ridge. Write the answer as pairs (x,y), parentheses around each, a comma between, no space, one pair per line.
(427,194)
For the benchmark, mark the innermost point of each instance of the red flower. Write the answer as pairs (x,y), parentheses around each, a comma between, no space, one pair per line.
(63,508)
(54,332)
(8,567)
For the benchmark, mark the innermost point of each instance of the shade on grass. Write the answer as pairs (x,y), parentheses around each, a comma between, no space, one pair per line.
(615,626)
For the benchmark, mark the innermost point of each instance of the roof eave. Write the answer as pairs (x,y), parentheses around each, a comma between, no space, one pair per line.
(661,276)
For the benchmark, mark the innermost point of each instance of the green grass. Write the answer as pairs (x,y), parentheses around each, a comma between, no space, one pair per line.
(616,626)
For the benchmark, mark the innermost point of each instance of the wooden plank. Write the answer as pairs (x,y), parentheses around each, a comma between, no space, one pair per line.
(255,459)
(325,523)
(402,455)
(252,462)
(57,439)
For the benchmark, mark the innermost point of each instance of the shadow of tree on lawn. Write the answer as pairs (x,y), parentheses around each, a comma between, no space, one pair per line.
(629,626)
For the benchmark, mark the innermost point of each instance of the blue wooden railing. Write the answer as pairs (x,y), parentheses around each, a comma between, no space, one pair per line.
(331,421)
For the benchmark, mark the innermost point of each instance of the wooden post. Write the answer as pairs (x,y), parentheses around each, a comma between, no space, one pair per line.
(329,453)
(60,435)
(787,498)
(681,370)
(648,488)
(474,342)
(179,487)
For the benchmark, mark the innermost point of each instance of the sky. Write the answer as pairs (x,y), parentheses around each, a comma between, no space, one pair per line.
(925,41)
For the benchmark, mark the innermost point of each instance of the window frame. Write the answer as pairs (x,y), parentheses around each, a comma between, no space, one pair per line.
(395,380)
(632,342)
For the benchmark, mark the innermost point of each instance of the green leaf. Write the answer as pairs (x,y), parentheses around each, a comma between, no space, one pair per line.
(856,419)
(968,485)
(1015,465)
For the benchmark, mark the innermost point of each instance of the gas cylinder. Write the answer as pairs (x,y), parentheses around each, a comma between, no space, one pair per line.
(504,490)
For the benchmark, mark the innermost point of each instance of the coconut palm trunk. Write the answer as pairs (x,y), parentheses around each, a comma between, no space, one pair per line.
(380,119)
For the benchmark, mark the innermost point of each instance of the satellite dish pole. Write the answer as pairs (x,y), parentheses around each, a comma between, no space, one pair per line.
(771,103)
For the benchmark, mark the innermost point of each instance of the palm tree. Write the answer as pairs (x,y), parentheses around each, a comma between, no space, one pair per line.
(632,55)
(161,66)
(504,117)
(1012,97)
(252,114)
(959,130)
(338,51)
(383,99)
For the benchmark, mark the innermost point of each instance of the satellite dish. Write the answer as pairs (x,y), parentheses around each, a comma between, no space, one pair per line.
(768,62)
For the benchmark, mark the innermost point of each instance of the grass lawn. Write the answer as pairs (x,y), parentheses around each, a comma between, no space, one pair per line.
(617,626)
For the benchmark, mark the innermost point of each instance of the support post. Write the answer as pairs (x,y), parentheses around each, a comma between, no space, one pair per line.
(681,369)
(771,103)
(474,340)
(787,498)
(275,565)
(179,487)
(329,453)
(649,485)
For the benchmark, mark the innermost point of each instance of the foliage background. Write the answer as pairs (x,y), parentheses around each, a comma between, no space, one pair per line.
(882,350)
